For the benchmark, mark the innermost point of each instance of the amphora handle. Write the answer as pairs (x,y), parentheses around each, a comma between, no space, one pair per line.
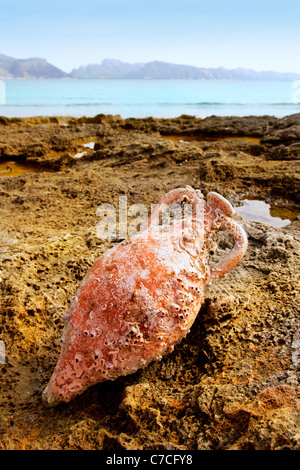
(188,193)
(224,211)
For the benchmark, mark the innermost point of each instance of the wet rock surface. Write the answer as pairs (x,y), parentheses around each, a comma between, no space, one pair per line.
(233,382)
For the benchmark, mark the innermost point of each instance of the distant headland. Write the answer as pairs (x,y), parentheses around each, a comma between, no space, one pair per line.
(11,67)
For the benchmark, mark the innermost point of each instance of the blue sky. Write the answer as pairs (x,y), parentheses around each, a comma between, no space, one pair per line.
(257,34)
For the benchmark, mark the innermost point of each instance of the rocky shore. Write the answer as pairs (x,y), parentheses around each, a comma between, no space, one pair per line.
(233,383)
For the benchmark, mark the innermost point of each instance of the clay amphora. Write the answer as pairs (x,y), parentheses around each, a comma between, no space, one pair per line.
(142,296)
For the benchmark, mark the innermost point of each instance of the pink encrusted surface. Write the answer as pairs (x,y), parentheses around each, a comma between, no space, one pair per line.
(142,296)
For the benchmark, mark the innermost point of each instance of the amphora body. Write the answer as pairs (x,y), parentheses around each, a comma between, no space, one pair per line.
(142,296)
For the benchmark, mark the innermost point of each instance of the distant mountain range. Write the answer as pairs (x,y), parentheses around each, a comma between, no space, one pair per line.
(112,68)
(109,68)
(28,68)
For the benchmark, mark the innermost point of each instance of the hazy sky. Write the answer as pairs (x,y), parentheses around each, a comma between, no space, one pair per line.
(257,34)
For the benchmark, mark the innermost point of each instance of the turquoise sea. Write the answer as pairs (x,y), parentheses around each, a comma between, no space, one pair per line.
(142,98)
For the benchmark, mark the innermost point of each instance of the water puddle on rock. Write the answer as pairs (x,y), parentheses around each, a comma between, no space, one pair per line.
(256,210)
(186,138)
(89,145)
(15,168)
(11,168)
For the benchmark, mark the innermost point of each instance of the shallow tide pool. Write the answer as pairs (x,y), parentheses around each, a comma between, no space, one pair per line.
(259,211)
(12,168)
